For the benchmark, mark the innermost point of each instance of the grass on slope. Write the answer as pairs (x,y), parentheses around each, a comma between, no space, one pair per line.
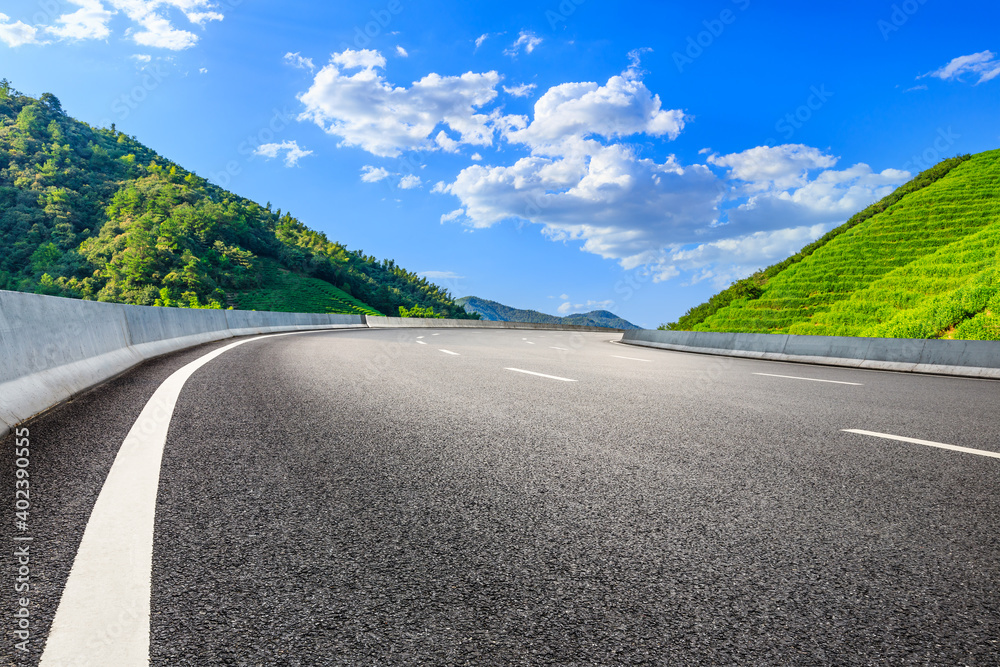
(924,267)
(288,292)
(752,287)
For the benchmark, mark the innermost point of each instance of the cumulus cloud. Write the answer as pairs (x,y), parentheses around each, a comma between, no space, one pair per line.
(476,157)
(298,61)
(400,51)
(159,33)
(88,22)
(622,107)
(365,110)
(370,174)
(290,148)
(409,182)
(984,64)
(17,33)
(770,167)
(526,41)
(522,90)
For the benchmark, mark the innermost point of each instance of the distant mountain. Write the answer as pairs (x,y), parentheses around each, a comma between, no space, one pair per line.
(497,312)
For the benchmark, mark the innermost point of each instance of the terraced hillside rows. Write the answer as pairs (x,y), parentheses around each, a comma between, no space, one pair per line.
(926,267)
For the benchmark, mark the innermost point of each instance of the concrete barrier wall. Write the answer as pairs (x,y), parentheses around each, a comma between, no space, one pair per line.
(433,323)
(967,358)
(53,348)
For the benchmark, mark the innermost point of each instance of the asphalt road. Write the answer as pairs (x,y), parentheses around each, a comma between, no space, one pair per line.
(401,497)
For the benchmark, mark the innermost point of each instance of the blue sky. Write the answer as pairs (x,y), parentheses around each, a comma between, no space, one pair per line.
(560,156)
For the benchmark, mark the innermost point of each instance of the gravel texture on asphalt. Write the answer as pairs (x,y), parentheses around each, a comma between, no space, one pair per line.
(354,498)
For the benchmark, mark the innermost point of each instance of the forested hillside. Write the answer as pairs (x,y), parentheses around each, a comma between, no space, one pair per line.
(922,263)
(92,213)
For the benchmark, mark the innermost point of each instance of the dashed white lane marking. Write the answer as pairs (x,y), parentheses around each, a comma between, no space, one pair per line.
(630,358)
(792,377)
(529,342)
(559,348)
(435,334)
(454,354)
(928,443)
(541,375)
(420,342)
(108,589)
(419,337)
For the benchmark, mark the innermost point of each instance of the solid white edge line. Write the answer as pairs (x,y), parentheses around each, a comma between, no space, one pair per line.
(793,377)
(455,354)
(541,375)
(104,611)
(928,443)
(630,358)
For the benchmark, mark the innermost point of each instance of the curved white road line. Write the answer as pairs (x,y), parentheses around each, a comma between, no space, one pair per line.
(103,615)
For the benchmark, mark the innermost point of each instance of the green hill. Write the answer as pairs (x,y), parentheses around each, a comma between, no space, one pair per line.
(922,263)
(497,312)
(92,213)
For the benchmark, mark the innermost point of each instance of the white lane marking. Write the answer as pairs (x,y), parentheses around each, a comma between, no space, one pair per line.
(559,348)
(792,377)
(455,354)
(541,375)
(419,337)
(109,582)
(630,358)
(939,445)
(420,342)
(435,334)
(529,342)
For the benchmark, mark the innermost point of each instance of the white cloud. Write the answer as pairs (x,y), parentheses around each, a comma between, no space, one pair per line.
(446,143)
(482,38)
(984,64)
(454,215)
(141,57)
(402,52)
(770,167)
(370,174)
(365,110)
(622,107)
(297,60)
(526,40)
(88,22)
(18,33)
(476,157)
(522,90)
(440,187)
(291,148)
(564,308)
(159,33)
(151,26)
(409,182)
(203,70)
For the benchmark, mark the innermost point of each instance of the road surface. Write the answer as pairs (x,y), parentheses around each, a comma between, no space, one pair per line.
(399,497)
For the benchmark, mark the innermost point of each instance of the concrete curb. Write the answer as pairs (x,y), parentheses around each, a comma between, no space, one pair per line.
(432,323)
(963,358)
(53,348)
